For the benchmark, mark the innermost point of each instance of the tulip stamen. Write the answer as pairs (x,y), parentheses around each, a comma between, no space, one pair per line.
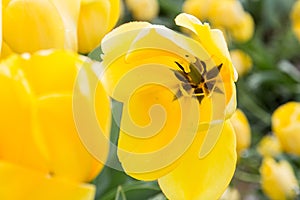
(199,82)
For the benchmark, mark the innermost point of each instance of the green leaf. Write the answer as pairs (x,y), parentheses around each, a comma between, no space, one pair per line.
(96,54)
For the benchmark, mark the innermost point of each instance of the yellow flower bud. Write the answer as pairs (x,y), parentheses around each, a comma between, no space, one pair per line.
(286,126)
(243,31)
(295,17)
(242,130)
(269,146)
(96,18)
(241,61)
(145,10)
(278,180)
(198,8)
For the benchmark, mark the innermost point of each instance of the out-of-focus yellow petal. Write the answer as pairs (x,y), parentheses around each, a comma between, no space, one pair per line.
(67,157)
(242,130)
(39,26)
(92,24)
(69,12)
(96,18)
(198,8)
(243,31)
(226,13)
(23,183)
(144,10)
(196,178)
(295,18)
(269,145)
(231,194)
(286,126)
(17,108)
(278,180)
(241,61)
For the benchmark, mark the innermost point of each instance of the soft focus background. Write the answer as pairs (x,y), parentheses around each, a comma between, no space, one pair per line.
(262,36)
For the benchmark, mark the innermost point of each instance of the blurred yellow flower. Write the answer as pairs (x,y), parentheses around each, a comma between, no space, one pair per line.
(242,130)
(96,18)
(269,145)
(41,155)
(286,126)
(278,180)
(163,83)
(45,24)
(241,61)
(145,10)
(295,17)
(227,15)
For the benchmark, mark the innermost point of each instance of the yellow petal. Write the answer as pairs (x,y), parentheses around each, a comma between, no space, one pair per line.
(286,126)
(51,71)
(155,135)
(40,26)
(242,129)
(16,104)
(23,183)
(278,180)
(56,131)
(143,10)
(91,102)
(93,24)
(269,145)
(241,60)
(212,40)
(243,31)
(69,12)
(205,178)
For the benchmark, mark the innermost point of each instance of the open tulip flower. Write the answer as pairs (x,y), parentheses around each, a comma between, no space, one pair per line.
(41,155)
(177,95)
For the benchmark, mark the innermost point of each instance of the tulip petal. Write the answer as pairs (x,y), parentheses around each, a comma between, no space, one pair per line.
(16,104)
(69,12)
(56,131)
(51,71)
(23,183)
(93,24)
(205,178)
(39,26)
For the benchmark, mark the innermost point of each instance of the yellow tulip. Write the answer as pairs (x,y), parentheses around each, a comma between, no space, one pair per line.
(227,15)
(177,95)
(96,18)
(243,31)
(40,148)
(269,145)
(278,180)
(143,9)
(295,18)
(286,126)
(242,130)
(241,61)
(76,25)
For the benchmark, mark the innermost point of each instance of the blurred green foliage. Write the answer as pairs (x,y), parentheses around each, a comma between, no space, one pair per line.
(273,80)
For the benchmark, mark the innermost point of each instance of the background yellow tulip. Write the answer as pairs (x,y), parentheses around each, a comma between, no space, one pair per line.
(286,126)
(242,130)
(278,180)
